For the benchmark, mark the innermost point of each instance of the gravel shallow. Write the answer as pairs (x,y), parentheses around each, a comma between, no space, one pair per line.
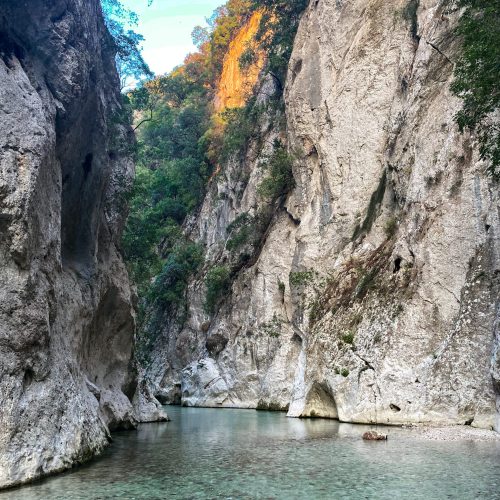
(455,433)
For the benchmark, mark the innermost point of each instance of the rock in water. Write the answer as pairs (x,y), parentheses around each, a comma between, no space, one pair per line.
(66,319)
(374,436)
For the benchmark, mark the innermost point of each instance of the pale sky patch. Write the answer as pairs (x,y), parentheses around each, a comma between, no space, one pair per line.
(167,27)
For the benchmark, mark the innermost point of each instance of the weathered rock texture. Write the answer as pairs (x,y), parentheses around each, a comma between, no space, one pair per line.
(66,319)
(374,297)
(237,83)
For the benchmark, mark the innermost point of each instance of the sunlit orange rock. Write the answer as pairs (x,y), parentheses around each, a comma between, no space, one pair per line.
(235,84)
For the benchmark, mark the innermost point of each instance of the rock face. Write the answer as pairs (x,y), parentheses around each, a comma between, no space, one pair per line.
(66,317)
(235,83)
(374,297)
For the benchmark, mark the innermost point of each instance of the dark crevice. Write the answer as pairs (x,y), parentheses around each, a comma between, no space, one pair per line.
(292,218)
(435,47)
(373,208)
(297,68)
(397,264)
(9,48)
(87,165)
(28,378)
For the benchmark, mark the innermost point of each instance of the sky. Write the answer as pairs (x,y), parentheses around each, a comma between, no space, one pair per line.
(167,27)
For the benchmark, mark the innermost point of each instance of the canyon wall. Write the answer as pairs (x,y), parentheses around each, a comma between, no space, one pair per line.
(236,83)
(373,296)
(67,374)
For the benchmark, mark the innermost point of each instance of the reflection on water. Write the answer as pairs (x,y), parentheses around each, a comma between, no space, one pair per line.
(207,453)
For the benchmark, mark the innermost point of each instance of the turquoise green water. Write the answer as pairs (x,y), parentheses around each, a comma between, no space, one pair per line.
(206,453)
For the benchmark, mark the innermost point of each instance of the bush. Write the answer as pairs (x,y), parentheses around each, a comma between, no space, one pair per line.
(300,278)
(248,58)
(169,287)
(477,76)
(391,227)
(217,282)
(279,179)
(239,127)
(241,231)
(273,327)
(348,337)
(277,32)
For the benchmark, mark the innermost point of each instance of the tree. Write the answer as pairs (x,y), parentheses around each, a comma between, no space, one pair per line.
(120,23)
(200,36)
(277,32)
(477,75)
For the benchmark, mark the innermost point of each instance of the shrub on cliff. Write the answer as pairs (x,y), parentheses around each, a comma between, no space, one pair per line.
(277,31)
(477,76)
(169,286)
(279,175)
(218,282)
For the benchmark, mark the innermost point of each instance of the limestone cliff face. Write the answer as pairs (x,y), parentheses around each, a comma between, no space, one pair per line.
(66,319)
(237,83)
(374,296)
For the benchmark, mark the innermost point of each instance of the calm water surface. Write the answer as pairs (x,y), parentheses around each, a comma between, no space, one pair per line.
(207,453)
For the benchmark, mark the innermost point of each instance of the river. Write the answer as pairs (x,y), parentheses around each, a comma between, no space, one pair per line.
(212,453)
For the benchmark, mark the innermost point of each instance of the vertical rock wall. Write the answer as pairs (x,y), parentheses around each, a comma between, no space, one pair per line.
(374,297)
(398,210)
(66,319)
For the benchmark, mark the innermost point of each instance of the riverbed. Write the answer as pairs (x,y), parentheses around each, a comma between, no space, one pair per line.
(230,454)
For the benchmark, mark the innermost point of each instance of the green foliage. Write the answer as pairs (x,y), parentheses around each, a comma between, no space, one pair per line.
(277,32)
(120,23)
(344,372)
(248,58)
(477,79)
(301,278)
(170,178)
(218,283)
(169,286)
(279,179)
(200,36)
(348,337)
(272,328)
(390,227)
(240,128)
(315,312)
(241,230)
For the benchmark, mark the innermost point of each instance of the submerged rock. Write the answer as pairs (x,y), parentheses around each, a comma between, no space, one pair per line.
(374,436)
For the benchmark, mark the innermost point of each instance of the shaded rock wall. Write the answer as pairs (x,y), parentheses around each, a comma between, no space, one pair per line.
(67,374)
(374,297)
